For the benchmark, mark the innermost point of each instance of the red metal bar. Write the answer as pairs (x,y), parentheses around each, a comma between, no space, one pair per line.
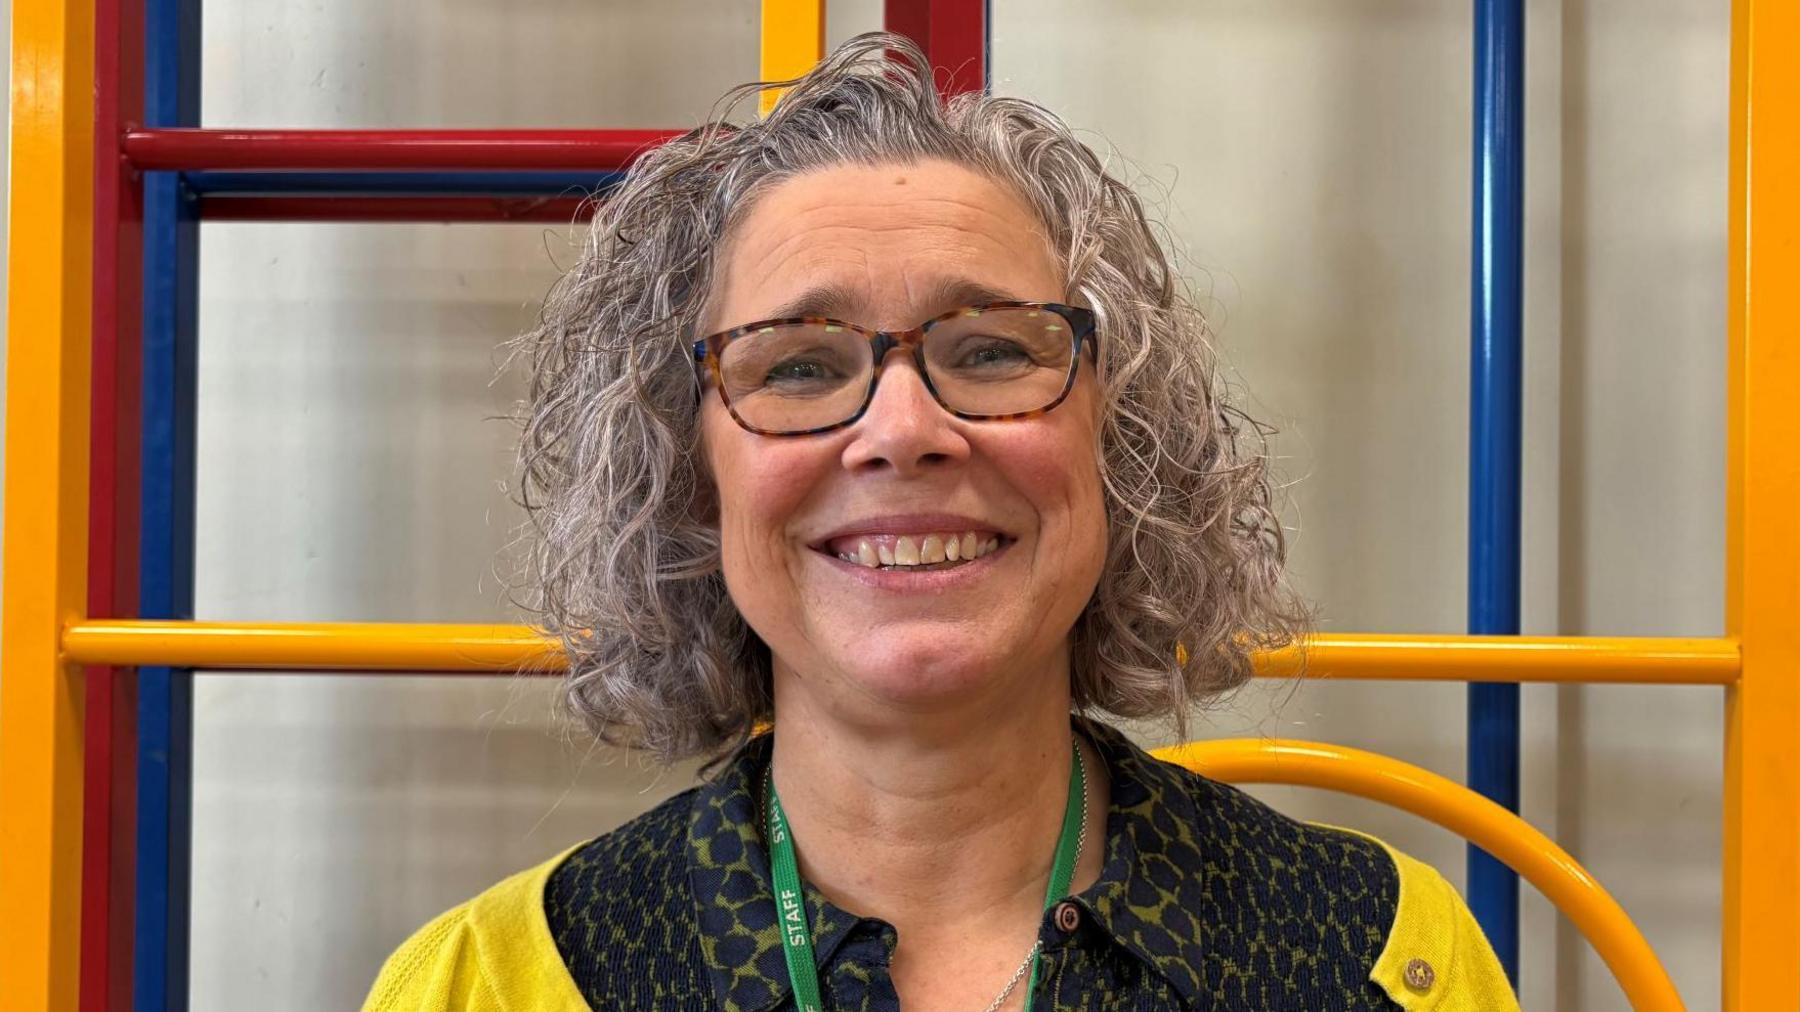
(109,851)
(553,210)
(185,149)
(953,34)
(109,796)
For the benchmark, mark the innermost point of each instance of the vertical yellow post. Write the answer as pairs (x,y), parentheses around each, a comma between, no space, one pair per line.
(793,39)
(49,291)
(1762,608)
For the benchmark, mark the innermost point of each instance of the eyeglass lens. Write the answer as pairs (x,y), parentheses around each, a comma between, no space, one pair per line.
(800,376)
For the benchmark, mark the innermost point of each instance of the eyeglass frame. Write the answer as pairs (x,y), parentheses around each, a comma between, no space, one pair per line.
(1082,330)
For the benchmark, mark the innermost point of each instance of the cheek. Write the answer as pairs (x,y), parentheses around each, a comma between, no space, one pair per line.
(1076,452)
(1087,535)
(1091,494)
(1058,471)
(1087,512)
(756,506)
(761,486)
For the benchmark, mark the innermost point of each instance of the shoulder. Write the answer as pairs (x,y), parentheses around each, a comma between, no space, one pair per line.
(622,915)
(1307,909)
(1278,856)
(489,954)
(1436,955)
(618,881)
(504,949)
(1376,914)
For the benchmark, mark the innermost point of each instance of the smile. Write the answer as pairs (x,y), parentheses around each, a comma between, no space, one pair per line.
(914,552)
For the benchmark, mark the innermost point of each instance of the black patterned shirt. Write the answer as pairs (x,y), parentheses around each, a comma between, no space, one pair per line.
(1207,899)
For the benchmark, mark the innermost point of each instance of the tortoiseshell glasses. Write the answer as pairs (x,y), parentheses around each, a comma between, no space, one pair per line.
(798,376)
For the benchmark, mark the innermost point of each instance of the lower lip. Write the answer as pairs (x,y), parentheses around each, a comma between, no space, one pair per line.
(926,580)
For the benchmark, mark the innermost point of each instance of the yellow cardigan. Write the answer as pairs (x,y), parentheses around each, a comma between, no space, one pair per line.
(495,953)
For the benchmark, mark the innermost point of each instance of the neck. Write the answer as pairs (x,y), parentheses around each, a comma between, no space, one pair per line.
(944,825)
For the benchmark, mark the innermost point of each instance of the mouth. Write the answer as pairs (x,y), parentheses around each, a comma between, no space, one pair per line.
(914,553)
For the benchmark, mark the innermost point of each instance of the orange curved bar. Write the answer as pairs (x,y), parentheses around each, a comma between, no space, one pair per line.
(1451,805)
(374,646)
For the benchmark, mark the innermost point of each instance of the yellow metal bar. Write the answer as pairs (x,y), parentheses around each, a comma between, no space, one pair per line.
(793,39)
(1590,659)
(330,646)
(1762,722)
(49,288)
(1449,804)
(500,648)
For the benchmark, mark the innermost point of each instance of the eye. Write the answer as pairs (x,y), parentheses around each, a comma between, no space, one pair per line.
(798,369)
(993,352)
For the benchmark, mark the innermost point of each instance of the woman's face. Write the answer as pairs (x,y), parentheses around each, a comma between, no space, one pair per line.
(890,247)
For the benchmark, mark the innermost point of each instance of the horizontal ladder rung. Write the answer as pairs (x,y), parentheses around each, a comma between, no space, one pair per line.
(192,149)
(244,185)
(506,649)
(543,210)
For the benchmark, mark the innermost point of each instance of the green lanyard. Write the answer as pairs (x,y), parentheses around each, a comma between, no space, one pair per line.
(790,902)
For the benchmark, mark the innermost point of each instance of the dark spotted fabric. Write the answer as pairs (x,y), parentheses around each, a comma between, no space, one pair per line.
(1208,899)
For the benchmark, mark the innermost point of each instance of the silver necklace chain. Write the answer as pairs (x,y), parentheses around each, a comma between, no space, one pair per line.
(1037,946)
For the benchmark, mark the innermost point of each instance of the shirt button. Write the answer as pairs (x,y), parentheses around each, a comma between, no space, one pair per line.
(1419,975)
(1067,916)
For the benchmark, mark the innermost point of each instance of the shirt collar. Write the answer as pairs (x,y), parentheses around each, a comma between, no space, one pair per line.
(1149,898)
(728,874)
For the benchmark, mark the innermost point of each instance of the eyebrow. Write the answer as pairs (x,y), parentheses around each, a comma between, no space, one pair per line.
(829,299)
(836,300)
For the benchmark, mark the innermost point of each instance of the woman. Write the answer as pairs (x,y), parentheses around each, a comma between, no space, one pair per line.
(888,425)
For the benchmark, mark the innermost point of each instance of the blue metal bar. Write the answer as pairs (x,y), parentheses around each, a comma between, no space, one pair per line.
(1495,407)
(166,566)
(282,184)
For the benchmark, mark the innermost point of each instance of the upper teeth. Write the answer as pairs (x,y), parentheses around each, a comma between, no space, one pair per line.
(925,550)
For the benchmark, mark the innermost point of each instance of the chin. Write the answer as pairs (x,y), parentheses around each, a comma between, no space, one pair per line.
(927,676)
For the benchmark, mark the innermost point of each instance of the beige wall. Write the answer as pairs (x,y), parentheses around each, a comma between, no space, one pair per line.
(1316,159)
(1310,158)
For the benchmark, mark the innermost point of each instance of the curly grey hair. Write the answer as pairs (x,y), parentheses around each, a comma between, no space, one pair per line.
(622,558)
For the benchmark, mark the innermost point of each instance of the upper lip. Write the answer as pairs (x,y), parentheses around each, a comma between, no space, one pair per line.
(909,523)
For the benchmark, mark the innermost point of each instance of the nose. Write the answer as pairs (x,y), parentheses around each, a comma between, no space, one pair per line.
(904,427)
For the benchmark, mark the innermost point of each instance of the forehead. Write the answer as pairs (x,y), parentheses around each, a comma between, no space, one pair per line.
(884,243)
